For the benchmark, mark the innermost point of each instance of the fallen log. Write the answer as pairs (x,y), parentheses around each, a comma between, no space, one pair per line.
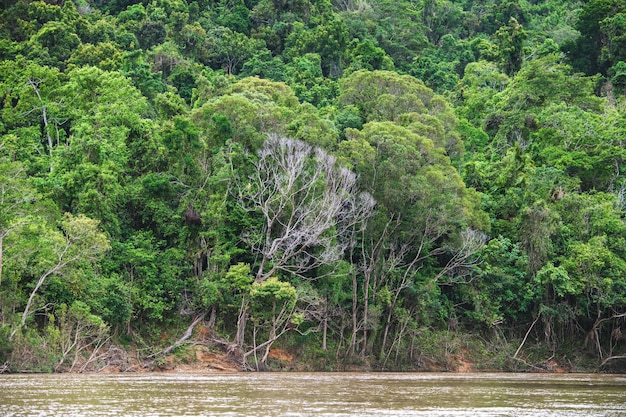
(611,358)
(182,340)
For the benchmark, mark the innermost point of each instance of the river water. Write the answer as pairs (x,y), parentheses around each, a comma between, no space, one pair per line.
(314,394)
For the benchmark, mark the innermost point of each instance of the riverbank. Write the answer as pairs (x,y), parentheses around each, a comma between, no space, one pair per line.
(199,358)
(201,350)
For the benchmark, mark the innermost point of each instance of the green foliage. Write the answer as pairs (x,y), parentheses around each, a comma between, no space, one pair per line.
(600,44)
(500,292)
(153,273)
(558,279)
(239,276)
(272,292)
(367,56)
(541,82)
(228,50)
(618,75)
(304,76)
(53,44)
(233,14)
(510,41)
(147,123)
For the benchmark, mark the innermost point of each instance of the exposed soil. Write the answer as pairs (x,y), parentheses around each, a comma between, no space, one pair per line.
(462,365)
(206,352)
(202,359)
(206,361)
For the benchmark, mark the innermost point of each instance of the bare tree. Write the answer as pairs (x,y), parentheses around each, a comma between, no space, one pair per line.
(463,256)
(308,204)
(79,332)
(390,261)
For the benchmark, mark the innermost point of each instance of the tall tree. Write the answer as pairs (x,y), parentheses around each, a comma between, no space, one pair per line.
(16,201)
(510,42)
(78,244)
(307,203)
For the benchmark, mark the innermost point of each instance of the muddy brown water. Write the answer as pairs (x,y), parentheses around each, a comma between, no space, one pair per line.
(314,394)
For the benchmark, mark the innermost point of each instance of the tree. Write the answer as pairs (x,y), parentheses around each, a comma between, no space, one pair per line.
(254,107)
(618,76)
(79,243)
(387,96)
(34,98)
(499,295)
(399,29)
(78,330)
(440,17)
(330,40)
(306,201)
(273,307)
(229,50)
(614,29)
(16,197)
(104,55)
(424,232)
(601,27)
(53,44)
(510,41)
(153,271)
(480,83)
(233,14)
(538,84)
(366,55)
(304,76)
(106,122)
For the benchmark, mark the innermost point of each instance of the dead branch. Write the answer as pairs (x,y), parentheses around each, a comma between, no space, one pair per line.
(182,340)
(302,194)
(526,336)
(530,365)
(611,358)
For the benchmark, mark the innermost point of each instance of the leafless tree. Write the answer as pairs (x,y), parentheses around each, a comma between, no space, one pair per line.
(79,332)
(392,262)
(308,204)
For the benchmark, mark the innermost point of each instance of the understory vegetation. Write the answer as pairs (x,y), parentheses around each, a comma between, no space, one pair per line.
(367,184)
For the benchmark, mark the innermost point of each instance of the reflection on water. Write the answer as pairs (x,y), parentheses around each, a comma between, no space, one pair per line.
(314,394)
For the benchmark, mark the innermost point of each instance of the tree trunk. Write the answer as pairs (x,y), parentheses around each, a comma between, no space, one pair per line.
(212,317)
(352,347)
(392,309)
(29,303)
(184,337)
(366,288)
(526,336)
(241,323)
(325,324)
(385,335)
(1,252)
(44,116)
(267,345)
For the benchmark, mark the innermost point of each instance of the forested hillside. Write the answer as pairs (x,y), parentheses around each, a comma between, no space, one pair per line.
(387,184)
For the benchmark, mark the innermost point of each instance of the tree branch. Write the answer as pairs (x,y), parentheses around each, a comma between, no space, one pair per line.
(184,337)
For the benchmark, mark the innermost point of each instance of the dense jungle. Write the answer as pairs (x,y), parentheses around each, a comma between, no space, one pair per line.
(313,184)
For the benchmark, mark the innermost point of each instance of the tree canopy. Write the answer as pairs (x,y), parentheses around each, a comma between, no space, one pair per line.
(377,182)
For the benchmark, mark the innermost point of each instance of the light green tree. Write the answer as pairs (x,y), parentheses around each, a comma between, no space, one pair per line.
(78,244)
(17,197)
